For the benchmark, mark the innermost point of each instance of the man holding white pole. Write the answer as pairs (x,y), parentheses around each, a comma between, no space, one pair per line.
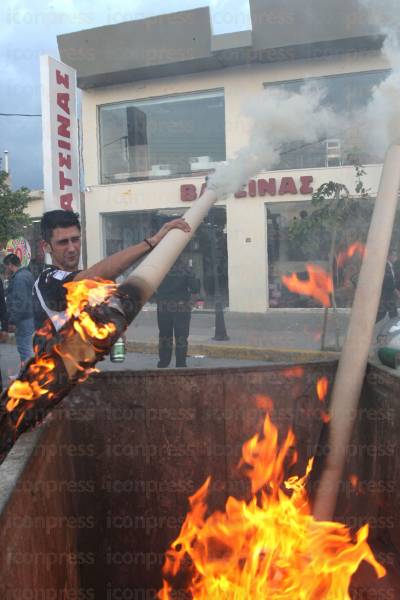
(61,233)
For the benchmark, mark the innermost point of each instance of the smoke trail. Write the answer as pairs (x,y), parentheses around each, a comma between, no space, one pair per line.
(382,115)
(278,117)
(382,14)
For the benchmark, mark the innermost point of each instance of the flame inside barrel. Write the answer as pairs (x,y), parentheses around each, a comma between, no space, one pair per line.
(267,547)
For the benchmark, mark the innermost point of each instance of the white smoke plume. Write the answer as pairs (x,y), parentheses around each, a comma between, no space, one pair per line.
(382,14)
(278,117)
(381,118)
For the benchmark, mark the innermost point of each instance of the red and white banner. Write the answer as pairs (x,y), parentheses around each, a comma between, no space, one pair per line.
(60,135)
(21,247)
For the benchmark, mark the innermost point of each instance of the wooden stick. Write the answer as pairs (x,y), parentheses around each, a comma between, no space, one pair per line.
(354,357)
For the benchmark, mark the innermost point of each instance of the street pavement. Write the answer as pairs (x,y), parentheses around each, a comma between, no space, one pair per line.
(276,329)
(9,362)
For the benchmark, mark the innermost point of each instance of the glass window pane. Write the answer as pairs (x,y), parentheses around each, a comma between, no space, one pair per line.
(162,137)
(206,253)
(288,254)
(33,234)
(344,93)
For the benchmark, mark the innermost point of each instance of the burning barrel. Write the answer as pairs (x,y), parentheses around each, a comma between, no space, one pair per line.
(100,492)
(113,545)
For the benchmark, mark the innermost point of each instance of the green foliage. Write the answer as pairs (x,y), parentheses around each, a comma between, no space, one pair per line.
(360,188)
(337,218)
(12,210)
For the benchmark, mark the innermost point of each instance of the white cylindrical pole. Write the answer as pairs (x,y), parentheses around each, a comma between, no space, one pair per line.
(6,162)
(152,270)
(353,360)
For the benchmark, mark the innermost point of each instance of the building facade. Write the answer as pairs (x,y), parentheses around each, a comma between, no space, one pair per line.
(164,102)
(32,234)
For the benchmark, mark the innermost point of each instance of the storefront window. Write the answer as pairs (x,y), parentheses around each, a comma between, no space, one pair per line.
(344,93)
(287,255)
(160,138)
(206,253)
(33,234)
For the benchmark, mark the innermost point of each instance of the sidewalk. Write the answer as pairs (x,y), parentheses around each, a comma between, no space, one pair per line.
(270,337)
(277,333)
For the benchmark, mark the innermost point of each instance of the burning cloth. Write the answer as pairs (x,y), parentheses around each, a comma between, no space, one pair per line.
(98,313)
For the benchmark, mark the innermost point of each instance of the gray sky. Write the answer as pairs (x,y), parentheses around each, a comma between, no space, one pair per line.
(29,29)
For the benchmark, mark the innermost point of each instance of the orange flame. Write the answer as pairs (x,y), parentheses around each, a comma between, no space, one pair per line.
(40,372)
(264,403)
(268,547)
(354,481)
(318,286)
(40,375)
(344,256)
(322,388)
(293,372)
(89,292)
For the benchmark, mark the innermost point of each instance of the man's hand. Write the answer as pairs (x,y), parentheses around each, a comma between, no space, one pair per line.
(175,224)
(3,337)
(11,329)
(114,265)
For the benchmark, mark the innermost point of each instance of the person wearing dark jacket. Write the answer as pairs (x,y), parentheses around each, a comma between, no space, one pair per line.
(20,305)
(3,321)
(390,293)
(174,310)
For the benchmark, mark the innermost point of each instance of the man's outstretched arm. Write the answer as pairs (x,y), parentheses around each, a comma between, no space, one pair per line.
(113,266)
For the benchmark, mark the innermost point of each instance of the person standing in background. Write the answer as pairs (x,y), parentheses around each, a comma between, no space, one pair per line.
(174,309)
(4,322)
(390,292)
(20,305)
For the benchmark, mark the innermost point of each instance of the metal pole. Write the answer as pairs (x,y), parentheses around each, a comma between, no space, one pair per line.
(220,328)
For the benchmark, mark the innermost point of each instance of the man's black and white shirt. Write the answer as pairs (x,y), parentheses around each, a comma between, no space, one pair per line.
(50,298)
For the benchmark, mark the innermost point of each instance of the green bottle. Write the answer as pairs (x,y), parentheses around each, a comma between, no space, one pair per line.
(389,356)
(117,353)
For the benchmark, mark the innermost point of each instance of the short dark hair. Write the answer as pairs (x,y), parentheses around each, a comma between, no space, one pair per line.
(12,259)
(57,218)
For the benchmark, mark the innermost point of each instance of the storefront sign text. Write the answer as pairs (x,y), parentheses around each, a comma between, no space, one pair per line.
(259,187)
(60,135)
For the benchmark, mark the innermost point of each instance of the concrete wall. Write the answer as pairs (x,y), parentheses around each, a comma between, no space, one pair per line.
(245,217)
(139,49)
(182,42)
(289,22)
(35,206)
